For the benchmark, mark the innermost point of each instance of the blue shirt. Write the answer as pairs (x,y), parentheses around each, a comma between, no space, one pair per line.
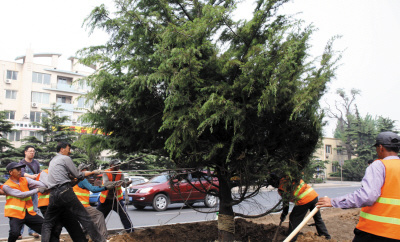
(85,184)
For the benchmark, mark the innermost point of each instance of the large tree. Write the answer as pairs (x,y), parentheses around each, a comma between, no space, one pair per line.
(357,133)
(240,98)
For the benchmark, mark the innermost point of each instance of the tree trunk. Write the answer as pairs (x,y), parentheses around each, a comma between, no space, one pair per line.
(226,221)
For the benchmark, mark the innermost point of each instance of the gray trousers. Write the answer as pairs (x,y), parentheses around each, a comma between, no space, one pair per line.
(98,219)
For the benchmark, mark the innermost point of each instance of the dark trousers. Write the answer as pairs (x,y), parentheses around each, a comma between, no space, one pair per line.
(361,236)
(34,222)
(70,223)
(299,212)
(62,201)
(118,207)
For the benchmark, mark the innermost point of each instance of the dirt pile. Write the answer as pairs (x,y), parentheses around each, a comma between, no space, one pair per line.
(340,224)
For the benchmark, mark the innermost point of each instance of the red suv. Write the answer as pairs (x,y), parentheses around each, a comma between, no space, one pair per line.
(165,189)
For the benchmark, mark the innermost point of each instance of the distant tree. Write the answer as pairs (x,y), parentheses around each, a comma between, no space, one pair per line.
(5,128)
(238,98)
(54,131)
(358,134)
(89,147)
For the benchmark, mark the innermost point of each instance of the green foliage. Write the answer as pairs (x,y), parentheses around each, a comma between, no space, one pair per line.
(183,78)
(87,149)
(358,134)
(53,132)
(315,171)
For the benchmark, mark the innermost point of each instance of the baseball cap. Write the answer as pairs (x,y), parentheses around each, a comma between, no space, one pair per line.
(114,162)
(14,165)
(83,166)
(388,139)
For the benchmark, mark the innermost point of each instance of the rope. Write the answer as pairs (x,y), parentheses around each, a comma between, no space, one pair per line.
(226,223)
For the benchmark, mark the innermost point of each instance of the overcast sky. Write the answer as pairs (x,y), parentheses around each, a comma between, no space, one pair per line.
(369,29)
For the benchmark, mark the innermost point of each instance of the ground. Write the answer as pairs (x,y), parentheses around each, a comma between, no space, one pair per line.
(340,224)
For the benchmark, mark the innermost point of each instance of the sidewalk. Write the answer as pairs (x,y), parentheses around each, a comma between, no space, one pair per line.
(330,183)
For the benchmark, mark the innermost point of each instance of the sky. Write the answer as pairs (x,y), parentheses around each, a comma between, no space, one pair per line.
(369,30)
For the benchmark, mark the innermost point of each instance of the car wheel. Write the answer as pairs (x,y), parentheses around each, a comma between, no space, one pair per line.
(160,202)
(210,201)
(139,207)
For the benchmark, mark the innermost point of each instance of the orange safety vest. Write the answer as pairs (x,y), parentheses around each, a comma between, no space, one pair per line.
(304,193)
(118,189)
(83,195)
(383,217)
(43,197)
(15,206)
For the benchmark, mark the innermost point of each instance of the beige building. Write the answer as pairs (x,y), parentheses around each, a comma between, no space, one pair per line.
(27,88)
(331,150)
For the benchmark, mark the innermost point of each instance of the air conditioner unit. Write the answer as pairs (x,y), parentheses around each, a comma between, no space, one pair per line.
(8,81)
(74,120)
(26,116)
(34,105)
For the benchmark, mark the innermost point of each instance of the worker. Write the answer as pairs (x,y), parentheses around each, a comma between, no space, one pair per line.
(82,191)
(305,198)
(31,170)
(19,205)
(68,220)
(113,199)
(378,196)
(62,197)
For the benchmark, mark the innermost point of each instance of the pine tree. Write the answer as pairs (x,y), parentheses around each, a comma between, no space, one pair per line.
(239,98)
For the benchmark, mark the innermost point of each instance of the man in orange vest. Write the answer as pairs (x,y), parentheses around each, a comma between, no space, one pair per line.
(82,191)
(19,205)
(378,196)
(305,198)
(113,199)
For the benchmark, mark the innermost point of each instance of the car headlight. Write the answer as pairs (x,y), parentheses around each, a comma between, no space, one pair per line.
(145,190)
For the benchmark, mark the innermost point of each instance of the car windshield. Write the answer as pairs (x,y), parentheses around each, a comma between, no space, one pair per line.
(159,179)
(137,181)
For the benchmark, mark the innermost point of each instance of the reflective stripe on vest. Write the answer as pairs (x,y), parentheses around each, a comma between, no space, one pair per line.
(383,217)
(16,207)
(43,198)
(303,193)
(83,195)
(104,194)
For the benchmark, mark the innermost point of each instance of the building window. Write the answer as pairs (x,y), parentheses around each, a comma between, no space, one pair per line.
(38,135)
(328,149)
(12,75)
(41,78)
(11,94)
(10,114)
(37,116)
(334,168)
(41,97)
(14,136)
(64,99)
(83,104)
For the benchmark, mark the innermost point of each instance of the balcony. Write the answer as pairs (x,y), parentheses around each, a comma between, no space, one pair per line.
(64,88)
(66,106)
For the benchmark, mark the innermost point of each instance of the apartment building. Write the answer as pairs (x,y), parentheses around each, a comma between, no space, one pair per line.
(331,150)
(28,87)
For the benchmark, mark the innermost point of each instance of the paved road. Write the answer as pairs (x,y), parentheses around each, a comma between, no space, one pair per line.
(176,213)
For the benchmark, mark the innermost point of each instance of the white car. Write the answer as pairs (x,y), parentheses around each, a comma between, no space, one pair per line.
(137,180)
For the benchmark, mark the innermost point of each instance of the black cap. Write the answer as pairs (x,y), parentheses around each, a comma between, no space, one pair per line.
(14,165)
(388,139)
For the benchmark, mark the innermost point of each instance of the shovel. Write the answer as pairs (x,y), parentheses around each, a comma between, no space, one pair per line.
(301,225)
